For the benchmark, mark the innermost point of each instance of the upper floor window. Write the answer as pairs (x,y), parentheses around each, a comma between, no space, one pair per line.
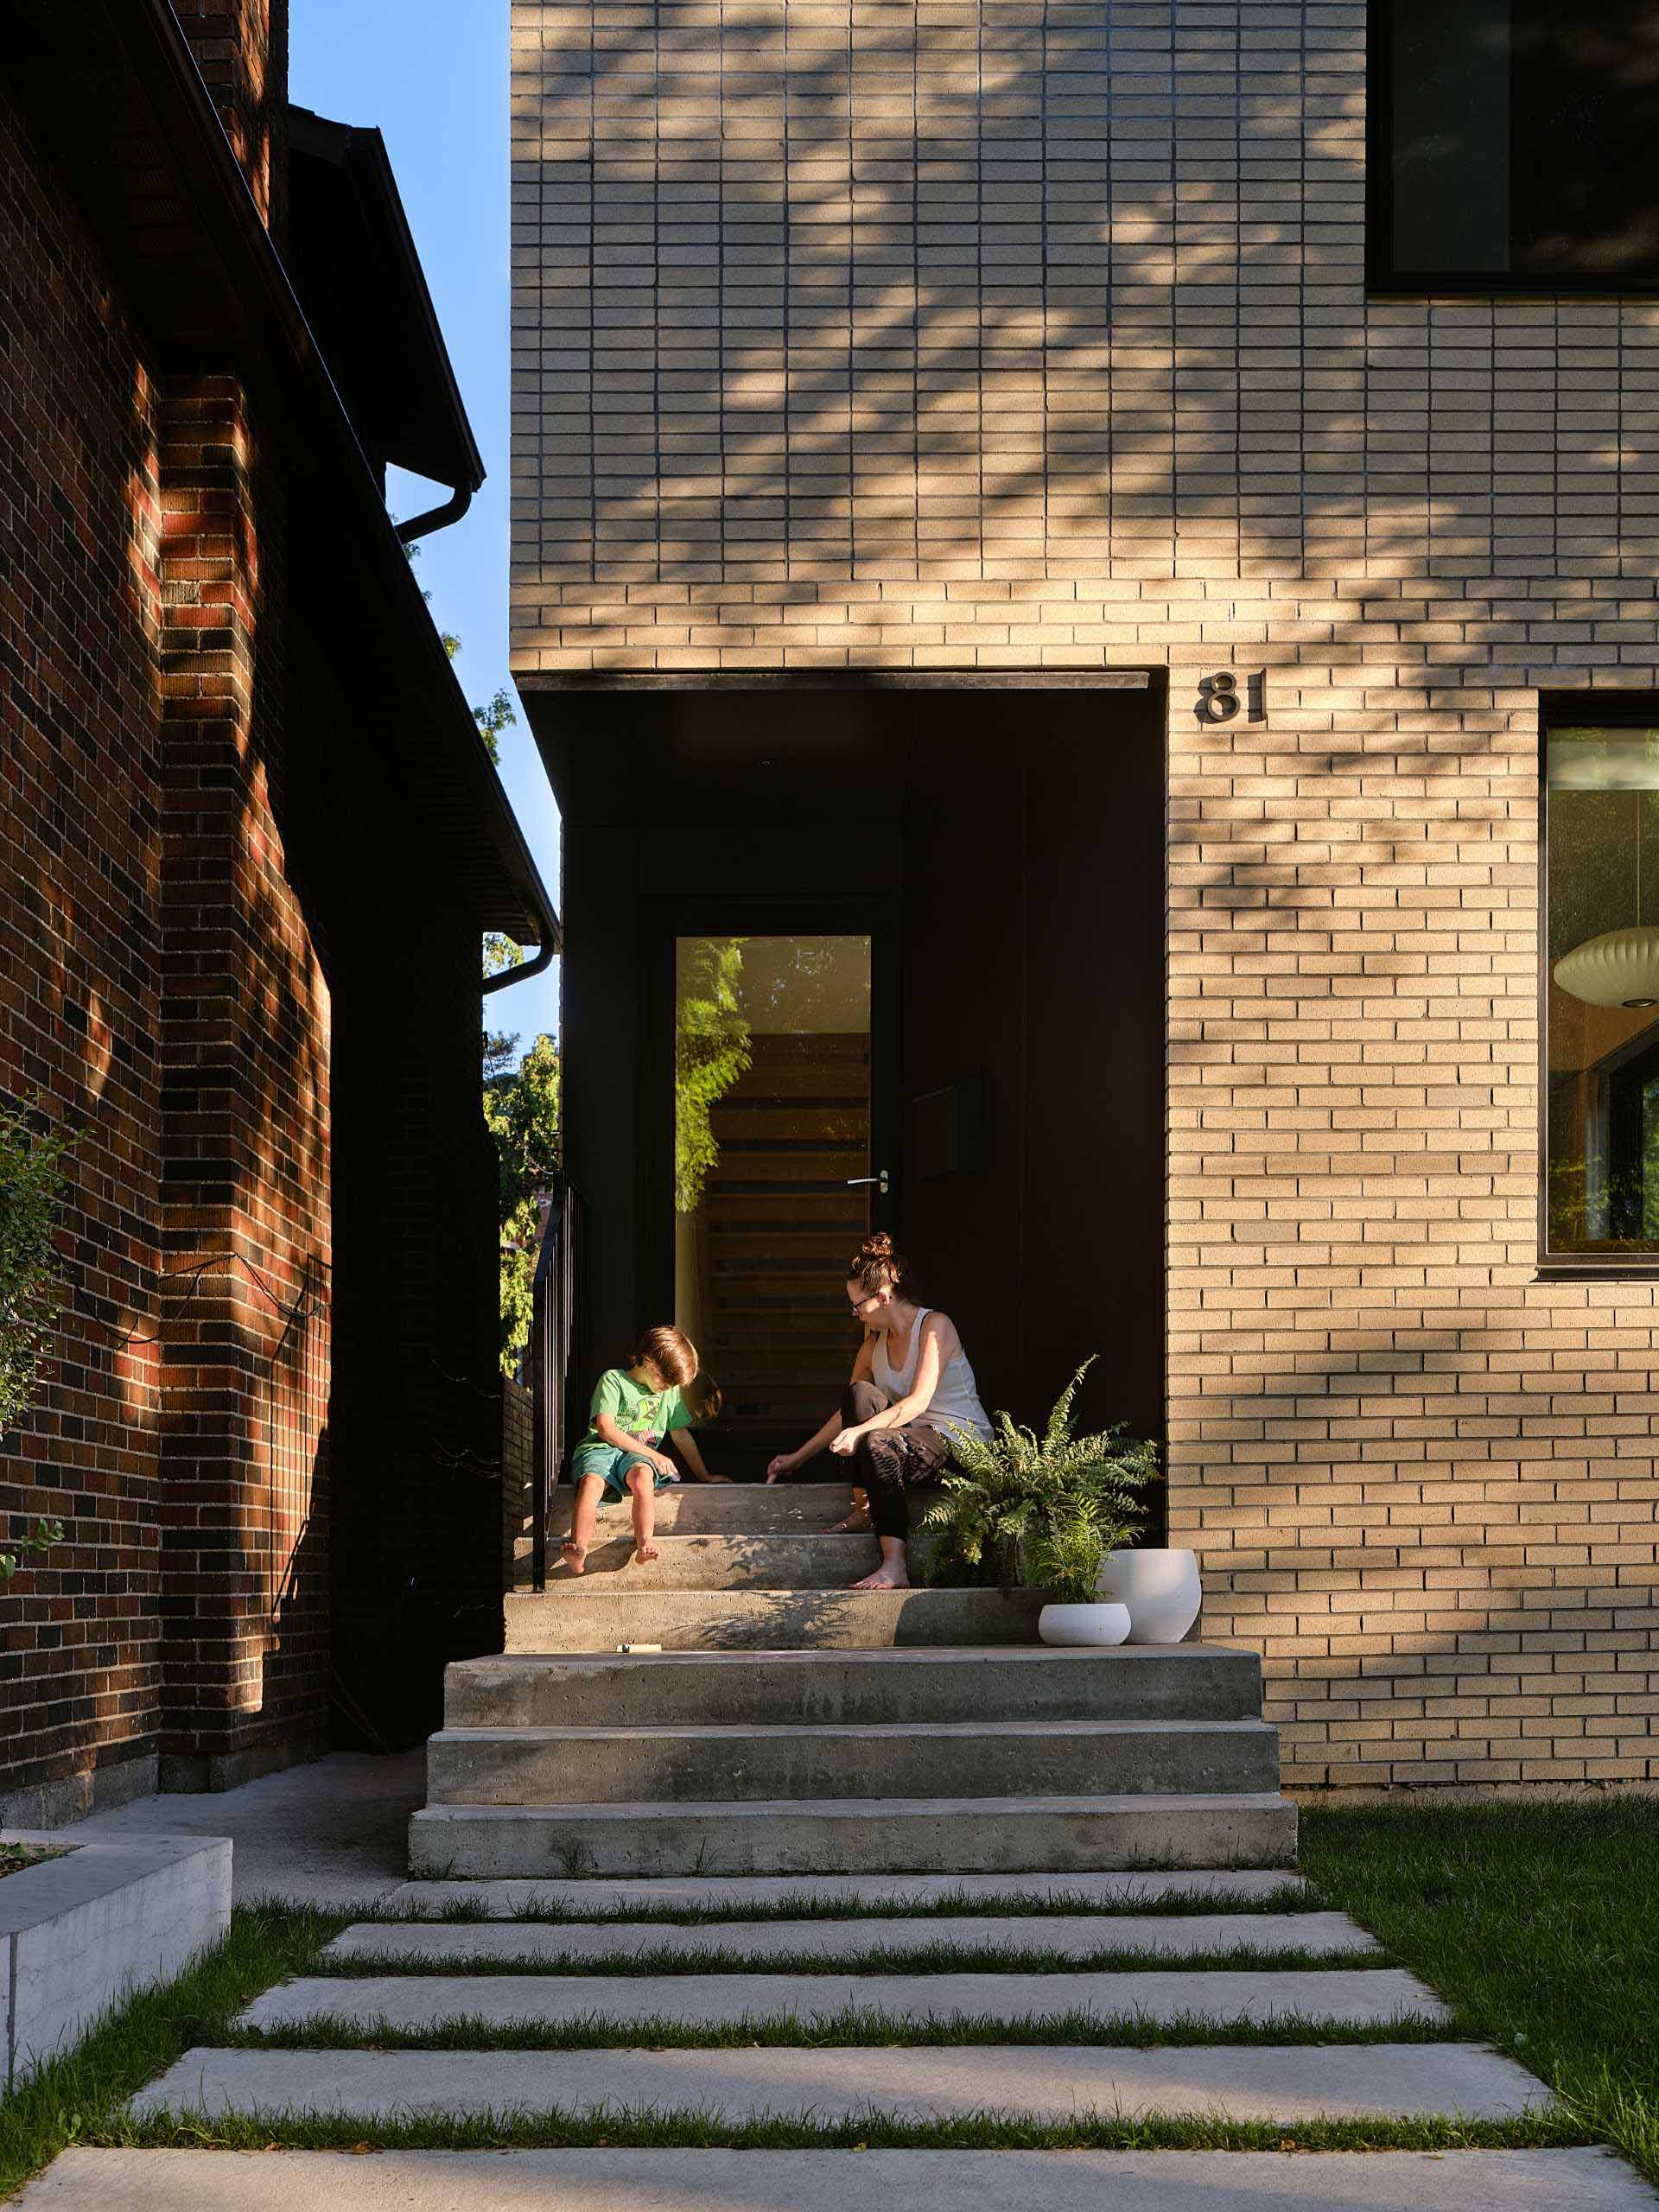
(1513,145)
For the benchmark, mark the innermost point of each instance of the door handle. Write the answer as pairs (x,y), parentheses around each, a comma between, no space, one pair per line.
(882,1182)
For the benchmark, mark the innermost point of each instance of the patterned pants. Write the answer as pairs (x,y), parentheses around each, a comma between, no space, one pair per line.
(892,1461)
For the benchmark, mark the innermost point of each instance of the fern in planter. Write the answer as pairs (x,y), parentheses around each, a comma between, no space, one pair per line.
(1042,1511)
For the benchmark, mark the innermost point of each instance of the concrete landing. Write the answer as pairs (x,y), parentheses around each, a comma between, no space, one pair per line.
(415,2002)
(836,2180)
(333,1833)
(1188,1935)
(1362,2081)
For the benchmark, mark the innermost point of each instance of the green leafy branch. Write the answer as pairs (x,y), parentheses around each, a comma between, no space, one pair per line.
(711,1052)
(31,1277)
(40,1538)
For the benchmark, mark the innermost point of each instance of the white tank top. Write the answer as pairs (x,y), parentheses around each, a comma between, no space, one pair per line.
(956,1396)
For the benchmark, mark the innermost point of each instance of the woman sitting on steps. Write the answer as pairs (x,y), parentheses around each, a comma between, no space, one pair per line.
(910,1380)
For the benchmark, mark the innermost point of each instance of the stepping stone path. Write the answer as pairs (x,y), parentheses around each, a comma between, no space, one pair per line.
(1029,1991)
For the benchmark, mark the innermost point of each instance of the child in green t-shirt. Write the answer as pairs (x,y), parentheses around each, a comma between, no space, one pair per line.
(635,1409)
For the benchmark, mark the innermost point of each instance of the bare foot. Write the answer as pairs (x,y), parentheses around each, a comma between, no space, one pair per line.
(885,1577)
(856,1524)
(646,1551)
(575,1557)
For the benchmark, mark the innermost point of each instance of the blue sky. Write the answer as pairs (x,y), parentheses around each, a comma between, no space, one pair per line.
(433,75)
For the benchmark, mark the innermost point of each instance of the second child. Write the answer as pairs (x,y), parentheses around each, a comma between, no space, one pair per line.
(635,1409)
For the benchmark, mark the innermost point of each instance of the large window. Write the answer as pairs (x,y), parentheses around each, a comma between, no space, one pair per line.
(1513,144)
(1602,1003)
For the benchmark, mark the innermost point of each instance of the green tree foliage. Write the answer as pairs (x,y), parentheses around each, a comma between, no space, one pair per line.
(31,1281)
(1044,1511)
(521,1106)
(711,1051)
(499,953)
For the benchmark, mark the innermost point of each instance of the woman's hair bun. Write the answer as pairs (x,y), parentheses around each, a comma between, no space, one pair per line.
(878,1266)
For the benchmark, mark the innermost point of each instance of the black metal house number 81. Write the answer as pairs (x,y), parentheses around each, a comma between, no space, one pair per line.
(1219,700)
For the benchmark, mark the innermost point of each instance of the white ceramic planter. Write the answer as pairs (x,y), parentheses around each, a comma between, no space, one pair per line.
(1161,1590)
(1093,1625)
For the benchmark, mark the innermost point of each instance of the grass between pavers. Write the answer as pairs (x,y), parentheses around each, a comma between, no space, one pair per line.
(650,2129)
(892,1958)
(1539,1923)
(863,2027)
(79,2097)
(808,1905)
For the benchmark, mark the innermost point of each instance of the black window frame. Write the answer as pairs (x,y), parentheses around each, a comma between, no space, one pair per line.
(1564,711)
(1382,281)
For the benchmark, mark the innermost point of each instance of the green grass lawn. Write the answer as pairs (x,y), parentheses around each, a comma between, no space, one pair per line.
(1539,1921)
(78,2098)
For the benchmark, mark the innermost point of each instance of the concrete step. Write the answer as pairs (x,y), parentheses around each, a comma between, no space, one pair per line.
(809,1893)
(600,1614)
(1007,1758)
(835,2181)
(791,1561)
(1285,2084)
(1185,1681)
(416,2003)
(833,1836)
(842,2181)
(692,1508)
(1070,1935)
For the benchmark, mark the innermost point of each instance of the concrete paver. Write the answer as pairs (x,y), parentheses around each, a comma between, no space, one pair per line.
(1369,2081)
(837,2181)
(900,1893)
(418,2001)
(1077,1935)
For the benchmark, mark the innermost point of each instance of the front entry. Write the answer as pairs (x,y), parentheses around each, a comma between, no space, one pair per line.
(775,1178)
(900,963)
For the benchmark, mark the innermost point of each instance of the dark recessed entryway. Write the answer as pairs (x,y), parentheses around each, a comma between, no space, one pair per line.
(910,931)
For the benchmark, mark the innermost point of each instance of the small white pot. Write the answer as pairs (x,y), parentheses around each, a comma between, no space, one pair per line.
(1161,1590)
(1084,1625)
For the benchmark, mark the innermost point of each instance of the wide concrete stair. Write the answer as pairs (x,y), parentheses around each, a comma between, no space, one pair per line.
(780,1722)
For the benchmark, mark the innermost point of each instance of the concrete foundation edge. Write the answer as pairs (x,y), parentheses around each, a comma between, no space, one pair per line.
(82,1933)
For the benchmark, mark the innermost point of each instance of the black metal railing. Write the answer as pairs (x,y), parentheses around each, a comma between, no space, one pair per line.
(552,1348)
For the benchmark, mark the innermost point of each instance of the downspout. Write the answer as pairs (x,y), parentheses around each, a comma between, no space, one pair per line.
(435,518)
(541,958)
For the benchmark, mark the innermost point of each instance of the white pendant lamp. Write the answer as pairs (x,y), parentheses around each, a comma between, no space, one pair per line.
(1621,967)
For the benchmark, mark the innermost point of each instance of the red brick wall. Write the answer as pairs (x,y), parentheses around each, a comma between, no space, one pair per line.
(161,992)
(241,49)
(80,778)
(246,1072)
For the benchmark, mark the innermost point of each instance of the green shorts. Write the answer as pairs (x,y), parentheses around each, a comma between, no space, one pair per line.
(610,1462)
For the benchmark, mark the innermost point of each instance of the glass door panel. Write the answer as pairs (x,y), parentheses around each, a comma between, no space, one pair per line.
(772,1128)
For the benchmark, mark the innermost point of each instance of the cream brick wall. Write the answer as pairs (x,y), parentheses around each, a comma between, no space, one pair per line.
(851,334)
